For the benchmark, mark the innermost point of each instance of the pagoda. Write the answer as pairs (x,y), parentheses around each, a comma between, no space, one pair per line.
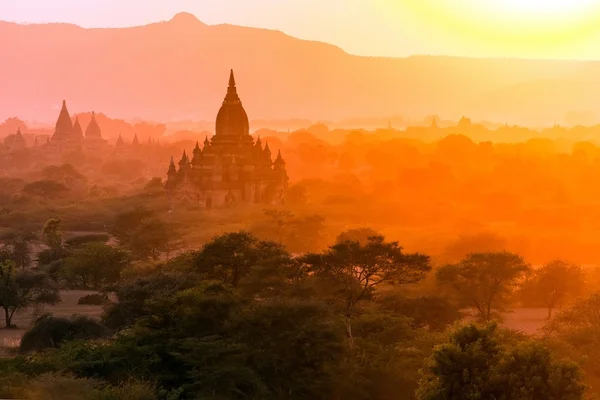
(230,168)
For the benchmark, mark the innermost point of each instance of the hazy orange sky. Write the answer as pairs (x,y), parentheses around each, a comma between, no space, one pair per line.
(480,28)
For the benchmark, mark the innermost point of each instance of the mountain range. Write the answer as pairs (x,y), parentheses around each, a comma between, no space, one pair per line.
(179,69)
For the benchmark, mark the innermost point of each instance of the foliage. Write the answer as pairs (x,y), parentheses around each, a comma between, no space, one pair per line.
(245,262)
(93,300)
(360,235)
(134,295)
(46,189)
(352,271)
(476,364)
(297,233)
(145,236)
(52,238)
(20,289)
(49,332)
(435,313)
(552,284)
(18,247)
(79,241)
(483,281)
(94,265)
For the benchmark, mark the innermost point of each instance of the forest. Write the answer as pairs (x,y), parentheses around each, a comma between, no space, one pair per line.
(392,272)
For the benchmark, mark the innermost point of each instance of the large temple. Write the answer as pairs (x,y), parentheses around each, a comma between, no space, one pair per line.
(230,168)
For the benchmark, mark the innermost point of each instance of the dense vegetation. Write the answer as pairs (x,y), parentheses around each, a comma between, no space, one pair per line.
(243,318)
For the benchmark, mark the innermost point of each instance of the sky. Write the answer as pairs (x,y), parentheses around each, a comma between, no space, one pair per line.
(555,29)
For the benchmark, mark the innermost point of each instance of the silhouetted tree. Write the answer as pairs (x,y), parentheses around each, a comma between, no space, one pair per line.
(20,289)
(483,280)
(553,283)
(46,189)
(241,259)
(353,271)
(94,265)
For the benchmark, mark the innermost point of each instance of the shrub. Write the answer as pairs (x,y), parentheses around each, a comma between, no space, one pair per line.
(93,300)
(50,332)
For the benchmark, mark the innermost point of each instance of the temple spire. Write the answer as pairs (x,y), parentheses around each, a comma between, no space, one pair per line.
(77,130)
(231,79)
(93,130)
(136,141)
(172,169)
(64,127)
(232,96)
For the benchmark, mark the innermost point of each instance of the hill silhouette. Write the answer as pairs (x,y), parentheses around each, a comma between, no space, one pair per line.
(178,69)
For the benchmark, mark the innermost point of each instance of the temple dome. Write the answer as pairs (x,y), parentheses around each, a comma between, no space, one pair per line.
(232,119)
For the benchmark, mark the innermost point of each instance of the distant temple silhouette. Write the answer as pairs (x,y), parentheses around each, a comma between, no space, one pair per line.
(231,167)
(69,136)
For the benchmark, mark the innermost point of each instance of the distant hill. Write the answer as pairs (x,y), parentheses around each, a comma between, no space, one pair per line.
(178,70)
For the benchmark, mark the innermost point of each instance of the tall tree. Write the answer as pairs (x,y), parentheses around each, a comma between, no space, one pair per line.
(552,284)
(483,281)
(20,289)
(94,265)
(52,238)
(352,271)
(18,245)
(243,261)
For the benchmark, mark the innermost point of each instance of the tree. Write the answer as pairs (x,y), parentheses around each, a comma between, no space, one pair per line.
(580,323)
(52,233)
(241,259)
(46,189)
(297,195)
(299,234)
(151,239)
(432,312)
(145,236)
(352,271)
(360,235)
(154,186)
(18,245)
(478,363)
(94,265)
(52,238)
(483,281)
(64,174)
(21,289)
(553,283)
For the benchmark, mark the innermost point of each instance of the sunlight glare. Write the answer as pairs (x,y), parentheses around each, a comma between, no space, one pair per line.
(542,7)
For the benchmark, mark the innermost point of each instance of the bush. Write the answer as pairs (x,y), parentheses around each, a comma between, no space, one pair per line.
(93,300)
(51,332)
